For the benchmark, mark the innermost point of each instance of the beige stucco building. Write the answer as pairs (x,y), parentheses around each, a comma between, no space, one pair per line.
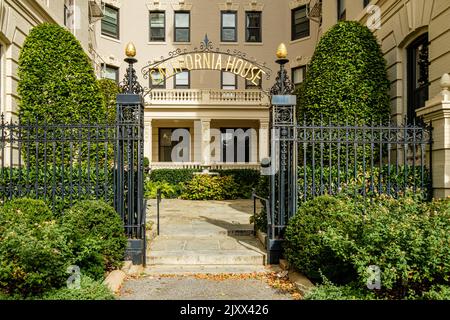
(414,35)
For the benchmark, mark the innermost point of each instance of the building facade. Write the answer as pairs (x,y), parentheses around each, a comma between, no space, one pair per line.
(208,111)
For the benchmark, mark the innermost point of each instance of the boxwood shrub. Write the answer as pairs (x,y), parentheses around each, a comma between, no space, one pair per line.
(34,252)
(209,187)
(89,290)
(96,235)
(407,238)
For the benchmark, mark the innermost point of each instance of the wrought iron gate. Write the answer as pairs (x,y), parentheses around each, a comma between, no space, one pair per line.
(314,158)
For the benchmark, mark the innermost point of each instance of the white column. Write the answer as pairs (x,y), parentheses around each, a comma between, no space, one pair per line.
(206,141)
(263,139)
(148,139)
(253,145)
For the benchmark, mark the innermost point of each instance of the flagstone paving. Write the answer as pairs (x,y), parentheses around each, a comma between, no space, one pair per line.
(204,233)
(206,250)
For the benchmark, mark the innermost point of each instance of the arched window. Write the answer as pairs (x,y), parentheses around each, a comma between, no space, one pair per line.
(417,78)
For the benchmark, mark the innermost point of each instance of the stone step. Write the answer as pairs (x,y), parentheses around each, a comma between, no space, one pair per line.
(155,270)
(205,257)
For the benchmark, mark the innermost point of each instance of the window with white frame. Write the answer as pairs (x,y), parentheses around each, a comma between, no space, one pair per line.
(182,80)
(229,81)
(111,72)
(298,75)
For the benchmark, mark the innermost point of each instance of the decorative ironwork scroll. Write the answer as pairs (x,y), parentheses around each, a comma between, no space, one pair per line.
(207,57)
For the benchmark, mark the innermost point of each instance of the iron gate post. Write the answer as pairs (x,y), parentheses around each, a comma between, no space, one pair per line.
(129,162)
(283,182)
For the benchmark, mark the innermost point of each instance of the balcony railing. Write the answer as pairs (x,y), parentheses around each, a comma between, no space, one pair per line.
(207,97)
(199,166)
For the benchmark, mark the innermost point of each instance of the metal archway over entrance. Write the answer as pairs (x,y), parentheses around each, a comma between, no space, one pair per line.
(206,57)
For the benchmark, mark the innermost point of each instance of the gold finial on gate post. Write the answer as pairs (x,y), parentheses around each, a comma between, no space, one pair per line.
(282,51)
(130,50)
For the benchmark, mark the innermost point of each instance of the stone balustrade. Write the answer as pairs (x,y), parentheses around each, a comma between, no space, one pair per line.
(206,97)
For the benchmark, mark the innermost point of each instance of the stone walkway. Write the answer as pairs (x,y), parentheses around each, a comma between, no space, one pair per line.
(206,250)
(204,236)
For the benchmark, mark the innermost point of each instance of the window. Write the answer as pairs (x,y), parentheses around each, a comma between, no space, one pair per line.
(253,30)
(298,75)
(182,80)
(300,23)
(182,26)
(418,76)
(166,144)
(228,81)
(229,26)
(251,86)
(111,72)
(157,26)
(235,145)
(157,79)
(341,10)
(366,3)
(110,22)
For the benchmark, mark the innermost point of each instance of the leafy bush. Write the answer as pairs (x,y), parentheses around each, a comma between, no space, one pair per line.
(34,254)
(330,291)
(406,238)
(389,179)
(246,178)
(97,237)
(346,77)
(90,290)
(208,187)
(58,89)
(167,190)
(109,91)
(73,184)
(61,87)
(262,190)
(172,176)
(305,248)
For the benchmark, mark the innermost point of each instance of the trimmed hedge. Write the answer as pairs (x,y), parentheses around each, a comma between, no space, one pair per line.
(207,187)
(109,90)
(57,83)
(247,179)
(97,235)
(346,78)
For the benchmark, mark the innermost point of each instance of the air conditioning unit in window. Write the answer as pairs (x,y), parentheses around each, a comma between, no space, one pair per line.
(315,11)
(95,10)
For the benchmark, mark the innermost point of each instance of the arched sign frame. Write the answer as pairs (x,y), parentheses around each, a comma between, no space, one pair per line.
(257,70)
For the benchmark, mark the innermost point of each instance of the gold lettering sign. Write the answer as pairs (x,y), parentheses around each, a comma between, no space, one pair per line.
(209,61)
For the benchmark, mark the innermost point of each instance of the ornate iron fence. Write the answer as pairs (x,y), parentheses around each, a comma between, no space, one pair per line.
(65,163)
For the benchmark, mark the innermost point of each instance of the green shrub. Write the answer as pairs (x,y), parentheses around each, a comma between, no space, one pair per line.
(74,183)
(305,248)
(358,181)
(97,237)
(167,190)
(247,179)
(90,290)
(437,292)
(172,176)
(347,77)
(26,210)
(109,91)
(330,291)
(34,253)
(56,79)
(262,190)
(57,85)
(208,187)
